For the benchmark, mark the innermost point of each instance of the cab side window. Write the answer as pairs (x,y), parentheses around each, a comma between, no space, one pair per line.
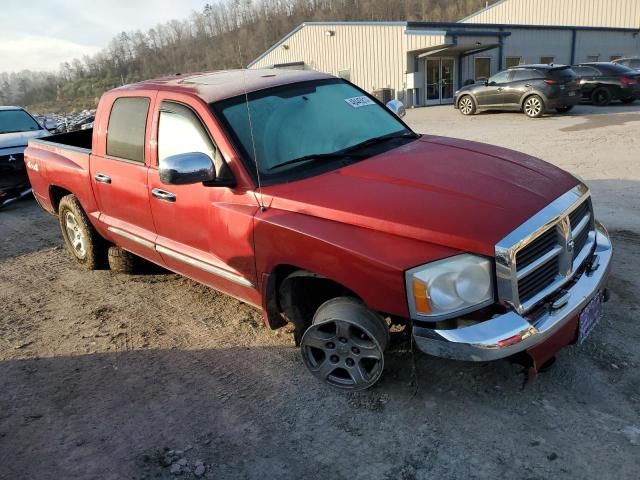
(520,75)
(127,127)
(502,77)
(181,131)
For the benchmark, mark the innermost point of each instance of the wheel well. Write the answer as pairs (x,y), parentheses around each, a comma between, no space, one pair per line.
(465,95)
(531,94)
(56,194)
(300,292)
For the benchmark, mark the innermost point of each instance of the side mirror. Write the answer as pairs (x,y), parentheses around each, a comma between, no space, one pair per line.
(187,169)
(486,83)
(397,107)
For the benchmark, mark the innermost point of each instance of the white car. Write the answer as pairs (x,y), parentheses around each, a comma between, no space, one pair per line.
(17,127)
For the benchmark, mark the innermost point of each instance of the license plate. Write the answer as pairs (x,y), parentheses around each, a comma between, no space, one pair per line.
(572,94)
(590,317)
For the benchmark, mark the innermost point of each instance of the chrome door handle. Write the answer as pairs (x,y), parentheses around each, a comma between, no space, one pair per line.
(102,178)
(163,195)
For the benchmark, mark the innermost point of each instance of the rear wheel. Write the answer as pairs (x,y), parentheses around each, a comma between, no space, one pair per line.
(344,346)
(565,109)
(627,100)
(81,239)
(121,261)
(601,97)
(534,106)
(467,105)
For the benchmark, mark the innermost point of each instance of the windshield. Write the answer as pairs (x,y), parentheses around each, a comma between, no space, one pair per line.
(302,121)
(12,121)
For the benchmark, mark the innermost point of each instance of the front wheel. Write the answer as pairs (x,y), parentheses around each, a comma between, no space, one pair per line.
(533,106)
(565,109)
(467,105)
(344,347)
(82,240)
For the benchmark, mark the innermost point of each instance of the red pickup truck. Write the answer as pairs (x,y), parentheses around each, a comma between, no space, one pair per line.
(302,195)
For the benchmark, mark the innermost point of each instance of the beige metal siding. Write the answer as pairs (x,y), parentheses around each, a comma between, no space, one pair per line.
(588,13)
(533,44)
(376,55)
(606,44)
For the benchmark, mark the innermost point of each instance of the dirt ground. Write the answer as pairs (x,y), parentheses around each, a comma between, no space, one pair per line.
(107,376)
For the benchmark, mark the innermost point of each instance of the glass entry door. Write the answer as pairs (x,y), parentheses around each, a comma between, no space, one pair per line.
(440,78)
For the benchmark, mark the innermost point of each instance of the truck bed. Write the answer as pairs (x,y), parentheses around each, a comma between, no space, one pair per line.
(82,139)
(59,164)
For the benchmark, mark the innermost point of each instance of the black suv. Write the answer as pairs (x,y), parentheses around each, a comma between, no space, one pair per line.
(602,82)
(533,89)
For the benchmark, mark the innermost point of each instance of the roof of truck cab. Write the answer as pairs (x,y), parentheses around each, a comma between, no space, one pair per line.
(215,86)
(8,107)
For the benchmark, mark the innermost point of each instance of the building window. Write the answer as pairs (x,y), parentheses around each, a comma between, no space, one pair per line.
(614,57)
(482,68)
(593,58)
(513,61)
(345,74)
(547,60)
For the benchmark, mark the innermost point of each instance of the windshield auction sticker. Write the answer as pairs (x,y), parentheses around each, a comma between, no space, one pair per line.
(357,102)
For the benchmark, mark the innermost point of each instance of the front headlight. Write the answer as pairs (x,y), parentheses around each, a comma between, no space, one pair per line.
(450,287)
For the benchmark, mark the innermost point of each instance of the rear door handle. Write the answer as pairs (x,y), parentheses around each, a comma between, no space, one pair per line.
(163,195)
(500,89)
(102,178)
(528,85)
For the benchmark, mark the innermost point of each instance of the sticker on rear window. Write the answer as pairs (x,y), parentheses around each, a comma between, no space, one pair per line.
(357,102)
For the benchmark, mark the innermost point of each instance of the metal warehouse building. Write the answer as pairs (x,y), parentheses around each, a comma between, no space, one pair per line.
(423,63)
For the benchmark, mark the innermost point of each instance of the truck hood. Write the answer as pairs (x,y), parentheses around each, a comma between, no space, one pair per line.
(20,139)
(460,194)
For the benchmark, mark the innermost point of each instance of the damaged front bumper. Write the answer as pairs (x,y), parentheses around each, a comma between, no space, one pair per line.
(511,333)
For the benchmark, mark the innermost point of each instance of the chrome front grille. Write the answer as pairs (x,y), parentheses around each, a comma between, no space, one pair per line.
(545,252)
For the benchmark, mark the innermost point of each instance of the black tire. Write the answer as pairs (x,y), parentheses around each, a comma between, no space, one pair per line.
(82,240)
(601,97)
(344,347)
(533,106)
(565,109)
(467,105)
(121,261)
(628,100)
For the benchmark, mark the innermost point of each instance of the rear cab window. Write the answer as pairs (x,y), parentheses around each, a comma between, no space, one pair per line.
(127,127)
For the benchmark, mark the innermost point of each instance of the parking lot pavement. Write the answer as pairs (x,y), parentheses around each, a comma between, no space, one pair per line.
(599,144)
(102,375)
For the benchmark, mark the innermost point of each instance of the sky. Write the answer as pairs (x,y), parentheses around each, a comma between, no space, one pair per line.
(41,34)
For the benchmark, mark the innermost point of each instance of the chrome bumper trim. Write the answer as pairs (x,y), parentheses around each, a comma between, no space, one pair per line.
(480,342)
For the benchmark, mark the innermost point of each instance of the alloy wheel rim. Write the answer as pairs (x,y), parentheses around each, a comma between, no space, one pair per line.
(75,235)
(533,107)
(466,105)
(343,354)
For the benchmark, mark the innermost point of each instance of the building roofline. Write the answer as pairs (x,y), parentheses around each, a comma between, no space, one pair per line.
(482,10)
(444,25)
(519,26)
